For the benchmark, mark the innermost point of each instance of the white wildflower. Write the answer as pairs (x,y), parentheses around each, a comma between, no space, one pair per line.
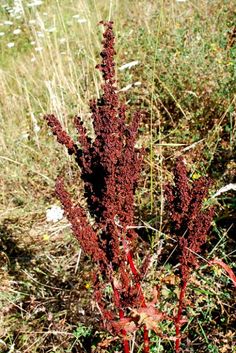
(25,136)
(2,34)
(129,65)
(79,19)
(32,22)
(82,20)
(38,49)
(17,10)
(10,45)
(8,23)
(126,88)
(54,214)
(36,127)
(35,3)
(225,189)
(62,40)
(17,31)
(51,29)
(33,59)
(198,37)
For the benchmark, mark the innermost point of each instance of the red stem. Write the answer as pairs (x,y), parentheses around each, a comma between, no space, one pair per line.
(178,323)
(142,299)
(121,315)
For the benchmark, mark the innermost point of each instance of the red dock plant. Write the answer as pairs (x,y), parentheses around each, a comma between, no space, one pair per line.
(110,167)
(191,224)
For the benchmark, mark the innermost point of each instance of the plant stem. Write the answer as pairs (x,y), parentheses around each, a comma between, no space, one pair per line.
(121,316)
(142,299)
(178,322)
(146,340)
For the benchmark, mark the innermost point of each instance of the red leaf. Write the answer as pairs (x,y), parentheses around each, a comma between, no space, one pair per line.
(226,268)
(124,324)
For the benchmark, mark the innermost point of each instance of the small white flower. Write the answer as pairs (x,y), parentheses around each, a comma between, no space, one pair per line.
(62,40)
(129,65)
(10,45)
(198,37)
(17,10)
(8,23)
(32,22)
(33,59)
(35,3)
(126,88)
(36,127)
(38,49)
(24,136)
(17,31)
(51,29)
(54,214)
(82,20)
(2,34)
(33,42)
(79,19)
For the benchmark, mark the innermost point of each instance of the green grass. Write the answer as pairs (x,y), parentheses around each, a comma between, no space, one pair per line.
(187,69)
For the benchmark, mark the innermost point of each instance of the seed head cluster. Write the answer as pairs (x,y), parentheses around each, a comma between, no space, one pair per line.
(110,167)
(189,221)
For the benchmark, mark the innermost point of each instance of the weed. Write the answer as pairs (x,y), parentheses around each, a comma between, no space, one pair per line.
(110,166)
(187,70)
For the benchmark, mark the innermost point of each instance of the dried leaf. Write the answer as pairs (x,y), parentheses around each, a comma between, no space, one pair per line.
(149,317)
(124,324)
(171,279)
